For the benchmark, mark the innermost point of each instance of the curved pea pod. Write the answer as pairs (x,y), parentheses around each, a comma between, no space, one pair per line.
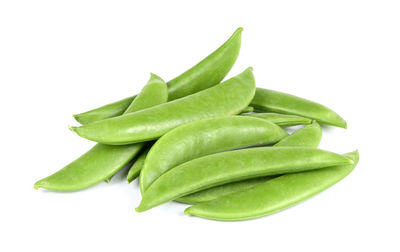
(274,195)
(207,73)
(281,119)
(107,111)
(227,98)
(137,166)
(200,138)
(308,136)
(274,101)
(103,161)
(231,166)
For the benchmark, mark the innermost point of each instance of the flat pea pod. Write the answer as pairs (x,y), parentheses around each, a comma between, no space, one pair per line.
(200,138)
(281,119)
(102,161)
(231,166)
(227,98)
(207,73)
(274,195)
(308,136)
(273,101)
(137,166)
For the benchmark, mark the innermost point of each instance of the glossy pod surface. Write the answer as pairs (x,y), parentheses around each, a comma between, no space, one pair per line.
(200,138)
(103,161)
(273,195)
(308,136)
(227,98)
(207,73)
(230,166)
(281,119)
(273,101)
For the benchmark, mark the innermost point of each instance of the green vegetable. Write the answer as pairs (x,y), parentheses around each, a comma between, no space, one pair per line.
(228,98)
(230,166)
(103,161)
(207,73)
(274,195)
(200,138)
(274,101)
(309,136)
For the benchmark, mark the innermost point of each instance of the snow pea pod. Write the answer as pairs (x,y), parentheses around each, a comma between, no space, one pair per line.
(227,98)
(200,138)
(230,166)
(274,101)
(137,166)
(281,119)
(107,111)
(207,73)
(308,136)
(103,161)
(274,195)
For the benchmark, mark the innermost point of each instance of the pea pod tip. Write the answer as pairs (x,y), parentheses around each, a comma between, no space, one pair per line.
(73,129)
(240,29)
(37,185)
(77,118)
(187,211)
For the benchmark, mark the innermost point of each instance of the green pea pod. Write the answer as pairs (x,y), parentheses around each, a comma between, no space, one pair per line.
(281,119)
(103,161)
(308,136)
(207,73)
(274,195)
(200,138)
(230,166)
(273,101)
(107,111)
(227,98)
(137,166)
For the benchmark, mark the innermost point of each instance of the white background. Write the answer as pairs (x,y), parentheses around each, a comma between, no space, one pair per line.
(58,58)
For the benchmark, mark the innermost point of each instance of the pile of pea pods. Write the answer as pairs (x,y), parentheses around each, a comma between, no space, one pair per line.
(220,146)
